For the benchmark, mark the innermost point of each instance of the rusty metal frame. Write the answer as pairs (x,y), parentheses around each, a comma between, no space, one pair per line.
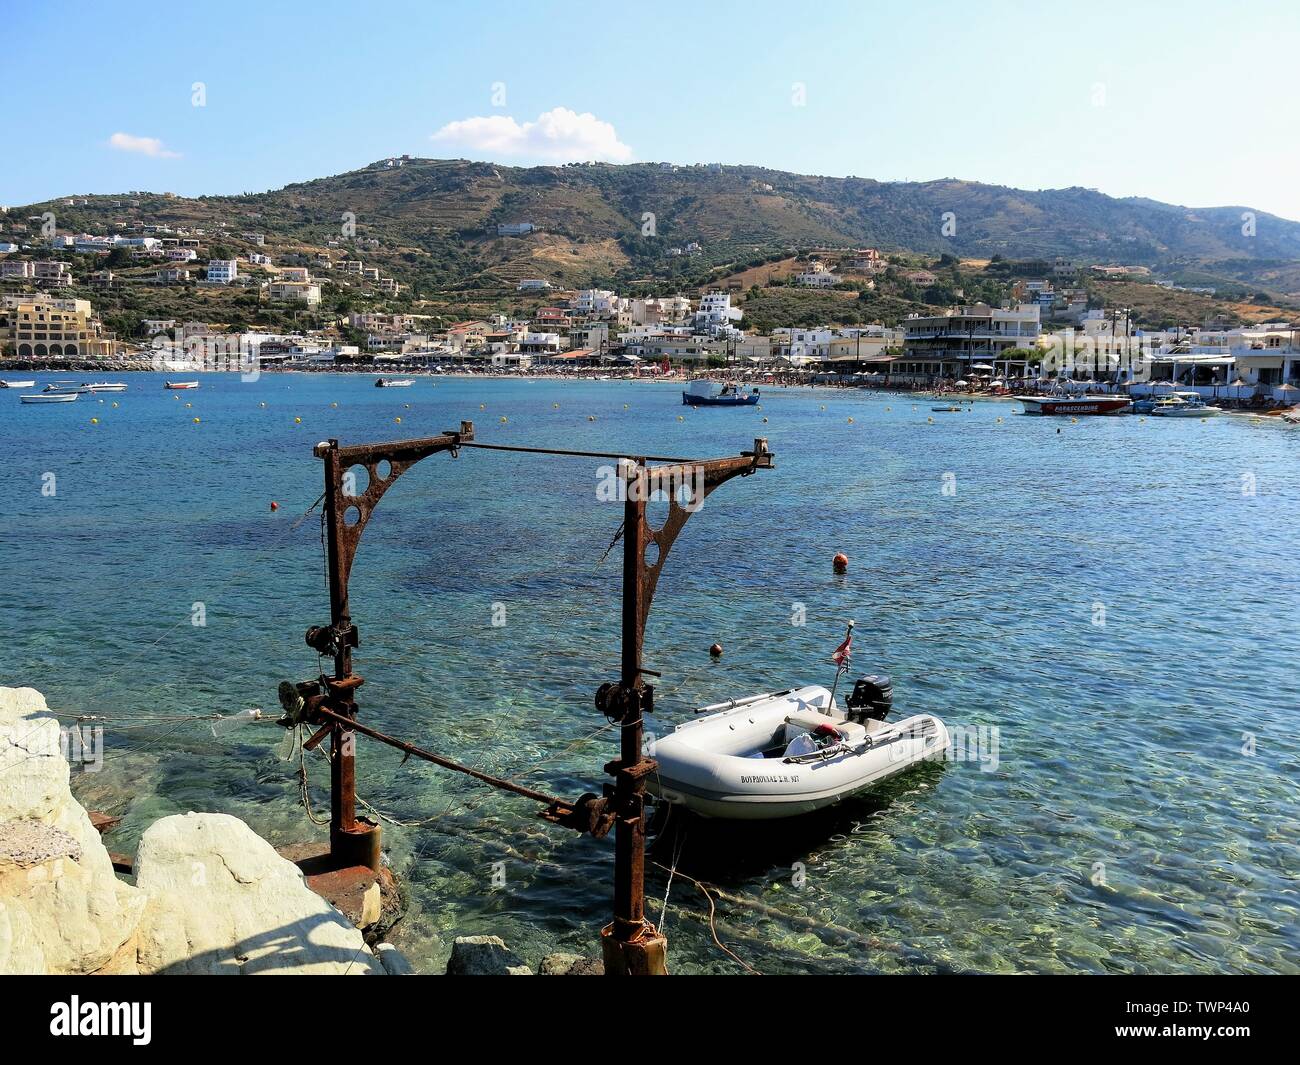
(630,943)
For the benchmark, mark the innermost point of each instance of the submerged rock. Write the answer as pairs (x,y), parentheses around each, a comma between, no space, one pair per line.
(570,965)
(221,900)
(62,908)
(484,956)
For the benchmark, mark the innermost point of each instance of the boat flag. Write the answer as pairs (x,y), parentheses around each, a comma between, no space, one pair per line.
(844,651)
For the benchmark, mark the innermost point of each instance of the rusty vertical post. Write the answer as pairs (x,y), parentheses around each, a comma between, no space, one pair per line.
(631,945)
(352,842)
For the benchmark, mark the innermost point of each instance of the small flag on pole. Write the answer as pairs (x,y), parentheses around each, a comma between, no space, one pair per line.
(845,650)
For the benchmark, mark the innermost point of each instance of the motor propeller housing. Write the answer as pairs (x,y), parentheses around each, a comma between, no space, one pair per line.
(871,699)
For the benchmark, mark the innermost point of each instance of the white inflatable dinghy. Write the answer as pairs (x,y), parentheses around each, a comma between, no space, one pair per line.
(787,753)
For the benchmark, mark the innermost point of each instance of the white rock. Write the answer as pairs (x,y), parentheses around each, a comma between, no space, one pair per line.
(223,901)
(62,908)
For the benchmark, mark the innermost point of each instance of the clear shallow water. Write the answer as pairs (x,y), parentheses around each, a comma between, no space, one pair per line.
(1119,745)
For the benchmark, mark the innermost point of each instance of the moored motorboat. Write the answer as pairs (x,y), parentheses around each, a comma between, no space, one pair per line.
(177,386)
(1074,405)
(51,397)
(1183,405)
(104,386)
(791,752)
(17,384)
(701,394)
(393,382)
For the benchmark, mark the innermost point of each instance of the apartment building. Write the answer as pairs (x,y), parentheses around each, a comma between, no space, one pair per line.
(222,271)
(950,345)
(41,326)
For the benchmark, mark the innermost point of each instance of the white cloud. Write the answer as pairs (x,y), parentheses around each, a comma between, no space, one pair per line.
(558,136)
(150,146)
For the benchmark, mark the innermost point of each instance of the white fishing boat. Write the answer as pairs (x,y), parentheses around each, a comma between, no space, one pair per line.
(105,386)
(393,382)
(787,753)
(51,397)
(1183,405)
(176,386)
(64,388)
(17,384)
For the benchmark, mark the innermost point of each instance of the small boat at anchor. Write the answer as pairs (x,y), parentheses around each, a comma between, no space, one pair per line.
(393,382)
(104,386)
(701,394)
(781,754)
(50,397)
(177,386)
(1183,405)
(17,384)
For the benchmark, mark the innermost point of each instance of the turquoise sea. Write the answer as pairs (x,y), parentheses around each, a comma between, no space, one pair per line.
(1119,598)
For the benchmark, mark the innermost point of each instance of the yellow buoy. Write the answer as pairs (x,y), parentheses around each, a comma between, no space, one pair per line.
(196,421)
(482,406)
(297,421)
(94,421)
(398,419)
(503,419)
(332,404)
(625,406)
(680,418)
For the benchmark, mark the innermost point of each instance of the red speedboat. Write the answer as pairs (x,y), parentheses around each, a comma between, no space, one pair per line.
(1076,405)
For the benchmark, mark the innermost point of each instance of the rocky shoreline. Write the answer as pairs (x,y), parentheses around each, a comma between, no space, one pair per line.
(207,896)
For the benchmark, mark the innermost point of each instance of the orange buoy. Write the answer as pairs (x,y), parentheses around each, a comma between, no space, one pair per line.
(716,650)
(840,563)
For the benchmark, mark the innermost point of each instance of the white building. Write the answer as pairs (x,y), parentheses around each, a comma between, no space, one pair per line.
(597,303)
(222,271)
(716,315)
(817,276)
(533,284)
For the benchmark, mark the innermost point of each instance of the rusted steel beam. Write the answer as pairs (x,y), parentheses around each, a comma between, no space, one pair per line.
(353,841)
(630,944)
(437,759)
(575,454)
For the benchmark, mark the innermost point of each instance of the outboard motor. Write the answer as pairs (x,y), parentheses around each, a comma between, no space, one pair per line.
(871,699)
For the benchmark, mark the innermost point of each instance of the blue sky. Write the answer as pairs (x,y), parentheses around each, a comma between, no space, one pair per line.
(1190,102)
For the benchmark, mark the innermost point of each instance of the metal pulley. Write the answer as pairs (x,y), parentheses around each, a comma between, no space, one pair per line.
(619,701)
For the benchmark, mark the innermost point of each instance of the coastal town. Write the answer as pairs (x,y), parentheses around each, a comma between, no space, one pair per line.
(1046,334)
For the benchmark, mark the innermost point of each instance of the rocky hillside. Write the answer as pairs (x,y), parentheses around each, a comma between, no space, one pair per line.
(433,223)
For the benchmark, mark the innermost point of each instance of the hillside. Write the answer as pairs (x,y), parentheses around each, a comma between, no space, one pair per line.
(432,223)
